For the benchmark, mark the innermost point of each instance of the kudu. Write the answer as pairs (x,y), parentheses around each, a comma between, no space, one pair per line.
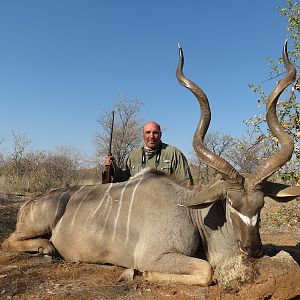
(152,224)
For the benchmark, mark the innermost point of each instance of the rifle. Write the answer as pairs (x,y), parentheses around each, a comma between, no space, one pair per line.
(108,172)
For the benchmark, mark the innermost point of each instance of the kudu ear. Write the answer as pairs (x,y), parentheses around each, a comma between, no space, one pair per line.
(280,192)
(213,193)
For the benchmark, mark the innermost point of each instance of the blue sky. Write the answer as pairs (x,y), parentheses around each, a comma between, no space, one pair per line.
(64,62)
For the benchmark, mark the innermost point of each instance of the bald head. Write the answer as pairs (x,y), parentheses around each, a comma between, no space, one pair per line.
(152,125)
(152,135)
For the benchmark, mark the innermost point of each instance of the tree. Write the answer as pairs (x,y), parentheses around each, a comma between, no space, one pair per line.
(288,109)
(246,153)
(62,167)
(18,163)
(220,144)
(126,132)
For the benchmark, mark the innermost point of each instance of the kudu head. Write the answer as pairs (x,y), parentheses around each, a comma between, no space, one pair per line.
(244,195)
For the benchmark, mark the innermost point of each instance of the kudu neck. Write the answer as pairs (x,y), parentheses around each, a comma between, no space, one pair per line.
(216,232)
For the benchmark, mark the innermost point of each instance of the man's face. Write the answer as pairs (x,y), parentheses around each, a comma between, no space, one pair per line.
(151,135)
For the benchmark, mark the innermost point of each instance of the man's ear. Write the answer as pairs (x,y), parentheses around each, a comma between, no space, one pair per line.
(281,192)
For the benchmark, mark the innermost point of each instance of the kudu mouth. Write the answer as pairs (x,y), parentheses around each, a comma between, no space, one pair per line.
(252,251)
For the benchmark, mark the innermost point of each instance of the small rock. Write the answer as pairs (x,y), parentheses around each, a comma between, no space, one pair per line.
(285,259)
(127,276)
(235,272)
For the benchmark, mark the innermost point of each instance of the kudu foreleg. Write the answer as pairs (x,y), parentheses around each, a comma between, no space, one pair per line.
(187,270)
(35,221)
(17,243)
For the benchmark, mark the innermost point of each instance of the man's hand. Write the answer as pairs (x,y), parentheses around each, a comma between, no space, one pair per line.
(109,160)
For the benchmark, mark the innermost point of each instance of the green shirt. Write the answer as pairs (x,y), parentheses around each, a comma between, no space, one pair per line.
(170,161)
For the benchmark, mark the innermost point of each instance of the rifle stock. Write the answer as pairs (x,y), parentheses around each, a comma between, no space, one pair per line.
(107,178)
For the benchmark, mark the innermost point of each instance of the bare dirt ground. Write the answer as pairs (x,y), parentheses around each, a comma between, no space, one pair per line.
(274,276)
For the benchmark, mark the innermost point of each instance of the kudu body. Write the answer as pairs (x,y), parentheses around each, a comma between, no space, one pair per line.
(154,225)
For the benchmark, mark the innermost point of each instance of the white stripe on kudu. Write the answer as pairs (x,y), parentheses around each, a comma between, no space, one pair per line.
(78,207)
(59,222)
(106,194)
(107,211)
(58,203)
(32,204)
(119,210)
(130,208)
(248,221)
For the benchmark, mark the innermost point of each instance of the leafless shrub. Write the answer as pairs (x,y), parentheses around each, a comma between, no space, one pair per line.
(38,171)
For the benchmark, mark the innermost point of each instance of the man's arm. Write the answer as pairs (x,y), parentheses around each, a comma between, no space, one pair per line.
(182,170)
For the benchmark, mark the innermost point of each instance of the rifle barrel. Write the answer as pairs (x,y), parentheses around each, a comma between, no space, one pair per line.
(111,133)
(108,175)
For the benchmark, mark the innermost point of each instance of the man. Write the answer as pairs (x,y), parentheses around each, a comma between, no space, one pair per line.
(154,154)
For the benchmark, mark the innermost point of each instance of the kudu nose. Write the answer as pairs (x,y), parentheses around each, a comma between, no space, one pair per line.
(253,250)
